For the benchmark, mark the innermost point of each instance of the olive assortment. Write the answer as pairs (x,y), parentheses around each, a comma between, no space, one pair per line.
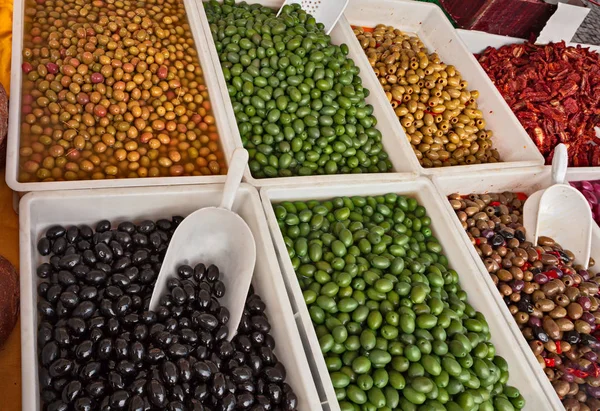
(394,326)
(430,98)
(298,100)
(554,301)
(100,348)
(113,89)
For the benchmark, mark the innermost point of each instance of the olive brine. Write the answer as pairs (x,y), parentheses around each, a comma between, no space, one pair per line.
(99,348)
(394,326)
(298,100)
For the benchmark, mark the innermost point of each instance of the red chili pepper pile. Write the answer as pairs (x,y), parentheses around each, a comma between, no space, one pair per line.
(555,92)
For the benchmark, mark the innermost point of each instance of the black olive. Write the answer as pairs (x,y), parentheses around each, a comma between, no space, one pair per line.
(291,401)
(260,323)
(59,246)
(136,352)
(66,278)
(208,321)
(241,374)
(497,240)
(69,261)
(44,246)
(57,406)
(275,393)
(156,393)
(103,226)
(83,404)
(55,231)
(147,276)
(88,293)
(539,334)
(520,235)
(219,288)
(113,326)
(54,263)
(71,391)
(46,309)
(49,353)
(83,245)
(89,257)
(103,267)
(105,348)
(44,270)
(61,336)
(506,234)
(138,387)
(96,334)
(123,238)
(572,337)
(60,367)
(154,355)
(126,367)
(122,305)
(115,380)
(219,385)
(96,277)
(95,389)
(245,400)
(177,350)
(212,273)
(106,308)
(119,399)
(139,239)
(84,309)
(77,326)
(84,350)
(257,338)
(48,395)
(69,299)
(103,252)
(121,263)
(146,227)
(112,292)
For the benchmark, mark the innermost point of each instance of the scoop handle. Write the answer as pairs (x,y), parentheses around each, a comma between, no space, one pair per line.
(560,162)
(237,165)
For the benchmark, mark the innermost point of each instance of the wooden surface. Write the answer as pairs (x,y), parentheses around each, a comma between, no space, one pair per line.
(10,352)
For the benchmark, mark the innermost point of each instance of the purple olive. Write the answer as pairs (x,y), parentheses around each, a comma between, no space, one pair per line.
(534,321)
(593,391)
(541,278)
(584,274)
(517,285)
(585,303)
(97,78)
(591,356)
(588,318)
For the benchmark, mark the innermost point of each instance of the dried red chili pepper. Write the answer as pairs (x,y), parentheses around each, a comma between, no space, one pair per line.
(550,362)
(554,90)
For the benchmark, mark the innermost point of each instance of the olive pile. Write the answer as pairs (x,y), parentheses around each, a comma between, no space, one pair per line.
(298,100)
(101,349)
(113,89)
(430,98)
(554,301)
(393,323)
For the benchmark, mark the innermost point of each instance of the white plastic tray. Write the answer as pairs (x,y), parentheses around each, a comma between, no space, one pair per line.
(41,210)
(429,23)
(526,180)
(222,118)
(480,295)
(403,161)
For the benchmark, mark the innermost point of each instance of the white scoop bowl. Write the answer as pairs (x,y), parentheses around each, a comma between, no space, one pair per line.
(327,12)
(560,212)
(215,235)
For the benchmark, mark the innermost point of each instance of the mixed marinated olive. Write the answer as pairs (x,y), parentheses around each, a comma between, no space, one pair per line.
(430,98)
(395,328)
(554,301)
(100,348)
(113,89)
(299,101)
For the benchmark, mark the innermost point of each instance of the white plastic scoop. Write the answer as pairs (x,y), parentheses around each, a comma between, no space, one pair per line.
(327,12)
(560,212)
(215,235)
